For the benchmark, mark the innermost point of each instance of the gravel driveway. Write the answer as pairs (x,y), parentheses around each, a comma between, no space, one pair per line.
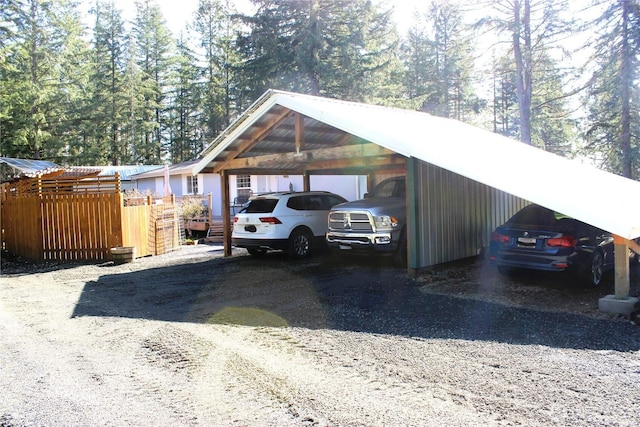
(192,338)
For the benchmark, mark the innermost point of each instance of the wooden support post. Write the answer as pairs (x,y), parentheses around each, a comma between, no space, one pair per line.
(306,181)
(210,204)
(621,250)
(226,213)
(371,182)
(299,133)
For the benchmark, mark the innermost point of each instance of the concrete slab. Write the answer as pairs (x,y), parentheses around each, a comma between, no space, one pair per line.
(613,305)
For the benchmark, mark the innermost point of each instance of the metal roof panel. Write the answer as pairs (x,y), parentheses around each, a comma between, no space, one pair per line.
(582,191)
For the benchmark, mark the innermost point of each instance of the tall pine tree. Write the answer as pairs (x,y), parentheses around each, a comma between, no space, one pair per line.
(109,106)
(337,48)
(613,122)
(154,50)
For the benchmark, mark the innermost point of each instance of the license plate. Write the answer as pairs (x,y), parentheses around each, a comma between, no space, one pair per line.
(345,247)
(527,240)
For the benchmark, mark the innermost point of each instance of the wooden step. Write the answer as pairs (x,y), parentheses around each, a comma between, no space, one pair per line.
(216,232)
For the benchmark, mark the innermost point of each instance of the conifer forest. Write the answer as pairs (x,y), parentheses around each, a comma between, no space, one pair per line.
(82,85)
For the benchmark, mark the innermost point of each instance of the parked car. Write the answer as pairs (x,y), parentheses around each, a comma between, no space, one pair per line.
(291,221)
(538,238)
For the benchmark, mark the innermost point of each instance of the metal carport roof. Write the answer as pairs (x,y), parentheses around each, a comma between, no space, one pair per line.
(580,190)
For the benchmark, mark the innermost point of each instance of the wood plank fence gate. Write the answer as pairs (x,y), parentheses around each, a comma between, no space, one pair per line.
(76,219)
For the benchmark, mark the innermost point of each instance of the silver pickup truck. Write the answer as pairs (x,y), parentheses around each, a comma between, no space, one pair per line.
(373,224)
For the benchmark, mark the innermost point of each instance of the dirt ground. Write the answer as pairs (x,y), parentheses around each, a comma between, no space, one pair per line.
(192,338)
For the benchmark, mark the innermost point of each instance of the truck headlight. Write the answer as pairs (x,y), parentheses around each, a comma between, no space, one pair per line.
(385,221)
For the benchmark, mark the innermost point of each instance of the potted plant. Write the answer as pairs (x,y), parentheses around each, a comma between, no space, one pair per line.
(193,213)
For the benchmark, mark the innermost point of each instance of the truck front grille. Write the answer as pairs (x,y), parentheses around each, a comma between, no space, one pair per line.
(350,221)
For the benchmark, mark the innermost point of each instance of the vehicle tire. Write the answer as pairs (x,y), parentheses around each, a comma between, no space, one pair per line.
(300,243)
(635,258)
(400,257)
(505,271)
(256,252)
(595,269)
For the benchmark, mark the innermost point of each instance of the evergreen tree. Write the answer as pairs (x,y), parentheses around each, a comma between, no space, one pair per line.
(43,37)
(439,63)
(613,122)
(416,52)
(72,86)
(534,28)
(215,27)
(337,48)
(154,47)
(110,105)
(552,128)
(505,99)
(187,139)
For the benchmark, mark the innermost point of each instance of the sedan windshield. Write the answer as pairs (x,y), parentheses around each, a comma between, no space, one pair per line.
(538,216)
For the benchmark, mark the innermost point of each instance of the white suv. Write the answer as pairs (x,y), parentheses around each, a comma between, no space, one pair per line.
(293,221)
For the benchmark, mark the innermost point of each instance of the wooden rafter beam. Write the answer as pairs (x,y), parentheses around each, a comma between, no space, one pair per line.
(256,137)
(358,163)
(346,167)
(318,128)
(307,158)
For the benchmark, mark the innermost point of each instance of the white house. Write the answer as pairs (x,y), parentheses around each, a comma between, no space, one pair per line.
(183,182)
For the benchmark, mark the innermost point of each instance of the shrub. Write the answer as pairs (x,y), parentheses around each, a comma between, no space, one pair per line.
(192,207)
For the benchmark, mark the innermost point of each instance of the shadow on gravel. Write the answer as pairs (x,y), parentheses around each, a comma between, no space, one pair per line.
(324,292)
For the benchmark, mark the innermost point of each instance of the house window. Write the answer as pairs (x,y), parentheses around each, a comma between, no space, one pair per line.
(192,184)
(243,182)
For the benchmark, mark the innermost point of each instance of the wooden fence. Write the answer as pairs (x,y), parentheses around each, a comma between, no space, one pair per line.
(82,219)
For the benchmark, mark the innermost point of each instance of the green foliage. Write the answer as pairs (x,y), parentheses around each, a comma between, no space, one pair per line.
(612,127)
(438,57)
(132,93)
(337,48)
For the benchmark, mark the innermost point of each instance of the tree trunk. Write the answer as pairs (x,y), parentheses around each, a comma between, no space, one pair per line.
(626,80)
(522,54)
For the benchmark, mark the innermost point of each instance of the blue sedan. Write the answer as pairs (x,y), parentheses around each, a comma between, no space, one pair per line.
(538,238)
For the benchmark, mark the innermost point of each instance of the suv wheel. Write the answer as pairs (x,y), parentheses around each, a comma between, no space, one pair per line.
(300,243)
(256,252)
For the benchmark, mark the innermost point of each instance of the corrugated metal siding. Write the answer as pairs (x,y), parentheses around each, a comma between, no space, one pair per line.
(455,215)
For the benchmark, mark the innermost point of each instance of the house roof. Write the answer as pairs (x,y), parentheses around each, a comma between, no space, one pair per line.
(30,168)
(183,168)
(126,172)
(264,138)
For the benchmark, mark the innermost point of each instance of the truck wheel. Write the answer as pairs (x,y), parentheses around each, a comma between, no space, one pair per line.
(400,257)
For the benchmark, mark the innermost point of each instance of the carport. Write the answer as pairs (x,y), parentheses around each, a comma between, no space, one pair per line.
(462,180)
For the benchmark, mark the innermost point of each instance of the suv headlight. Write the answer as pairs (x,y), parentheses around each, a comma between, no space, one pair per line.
(385,221)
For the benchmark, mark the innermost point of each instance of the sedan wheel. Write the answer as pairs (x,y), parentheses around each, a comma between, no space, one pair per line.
(299,244)
(597,268)
(504,271)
